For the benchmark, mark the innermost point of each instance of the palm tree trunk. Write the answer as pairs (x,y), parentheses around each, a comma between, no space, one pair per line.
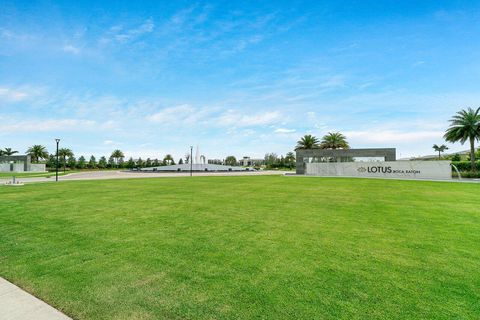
(64,164)
(472,154)
(439,156)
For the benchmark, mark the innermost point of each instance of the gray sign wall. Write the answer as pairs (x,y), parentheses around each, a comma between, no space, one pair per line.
(384,169)
(388,154)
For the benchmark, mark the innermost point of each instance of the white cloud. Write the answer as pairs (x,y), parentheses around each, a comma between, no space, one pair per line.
(127,35)
(12,95)
(284,130)
(71,49)
(393,136)
(41,125)
(236,118)
(179,114)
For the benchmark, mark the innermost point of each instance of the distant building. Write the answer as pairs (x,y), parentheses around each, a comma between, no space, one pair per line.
(249,162)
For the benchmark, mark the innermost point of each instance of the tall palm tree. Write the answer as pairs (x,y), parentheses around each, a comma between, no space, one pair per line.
(307,142)
(465,125)
(37,152)
(64,153)
(117,155)
(9,152)
(334,140)
(440,149)
(168,159)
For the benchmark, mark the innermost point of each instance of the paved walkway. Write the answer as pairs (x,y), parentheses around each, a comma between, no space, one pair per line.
(109,174)
(16,304)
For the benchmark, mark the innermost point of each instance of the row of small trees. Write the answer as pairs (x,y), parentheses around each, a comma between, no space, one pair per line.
(103,163)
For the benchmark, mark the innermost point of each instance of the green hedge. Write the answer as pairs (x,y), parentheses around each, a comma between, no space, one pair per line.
(465,165)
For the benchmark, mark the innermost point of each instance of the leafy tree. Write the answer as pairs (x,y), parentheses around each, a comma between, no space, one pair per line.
(148,163)
(139,163)
(92,163)
(130,164)
(81,163)
(37,152)
(168,160)
(2,153)
(456,157)
(72,162)
(290,160)
(63,153)
(334,140)
(111,162)
(271,160)
(307,142)
(439,149)
(52,161)
(156,163)
(231,161)
(117,155)
(102,162)
(9,152)
(465,125)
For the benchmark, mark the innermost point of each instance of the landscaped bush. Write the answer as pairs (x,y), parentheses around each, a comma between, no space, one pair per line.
(465,165)
(467,174)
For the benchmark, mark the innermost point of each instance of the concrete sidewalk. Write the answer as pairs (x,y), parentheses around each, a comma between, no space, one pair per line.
(16,304)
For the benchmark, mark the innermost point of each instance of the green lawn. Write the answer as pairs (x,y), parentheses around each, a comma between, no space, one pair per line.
(265,247)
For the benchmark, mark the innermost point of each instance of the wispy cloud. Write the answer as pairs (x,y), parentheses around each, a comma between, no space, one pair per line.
(122,35)
(43,125)
(284,130)
(239,119)
(71,49)
(12,95)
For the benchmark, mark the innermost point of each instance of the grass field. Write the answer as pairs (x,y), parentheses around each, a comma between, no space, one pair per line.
(265,247)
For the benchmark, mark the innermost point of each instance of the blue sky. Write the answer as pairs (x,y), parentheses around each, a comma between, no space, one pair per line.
(234,77)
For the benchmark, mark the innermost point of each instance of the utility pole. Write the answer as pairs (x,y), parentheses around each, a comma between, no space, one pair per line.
(56,165)
(191,160)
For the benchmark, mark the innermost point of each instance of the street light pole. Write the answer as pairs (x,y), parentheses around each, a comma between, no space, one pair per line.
(191,160)
(56,164)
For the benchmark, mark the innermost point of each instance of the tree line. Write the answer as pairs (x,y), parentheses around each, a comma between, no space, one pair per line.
(67,159)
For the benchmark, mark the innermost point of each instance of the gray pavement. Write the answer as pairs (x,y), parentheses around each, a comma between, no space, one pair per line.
(16,304)
(106,175)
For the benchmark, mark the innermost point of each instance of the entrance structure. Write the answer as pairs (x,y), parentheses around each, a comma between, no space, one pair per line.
(305,156)
(19,163)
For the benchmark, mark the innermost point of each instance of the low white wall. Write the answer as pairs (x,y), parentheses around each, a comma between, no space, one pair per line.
(18,167)
(4,167)
(385,169)
(37,167)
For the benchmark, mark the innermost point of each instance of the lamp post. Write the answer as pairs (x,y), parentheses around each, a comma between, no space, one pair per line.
(191,160)
(56,163)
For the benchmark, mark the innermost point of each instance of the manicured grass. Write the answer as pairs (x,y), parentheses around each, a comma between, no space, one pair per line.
(265,247)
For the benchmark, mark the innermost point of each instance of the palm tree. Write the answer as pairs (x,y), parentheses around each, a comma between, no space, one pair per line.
(168,159)
(307,142)
(37,152)
(440,149)
(1,152)
(465,125)
(117,155)
(334,140)
(9,152)
(64,153)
